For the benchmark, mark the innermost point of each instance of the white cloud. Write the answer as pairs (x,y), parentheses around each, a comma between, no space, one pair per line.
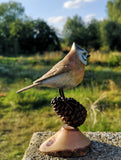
(89,0)
(72,4)
(89,17)
(55,20)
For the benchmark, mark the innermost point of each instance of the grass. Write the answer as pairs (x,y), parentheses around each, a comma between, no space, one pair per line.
(23,114)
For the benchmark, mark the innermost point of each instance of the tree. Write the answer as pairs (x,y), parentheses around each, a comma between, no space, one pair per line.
(113,26)
(114,10)
(1,41)
(45,38)
(74,31)
(113,35)
(22,35)
(11,11)
(33,36)
(88,36)
(93,35)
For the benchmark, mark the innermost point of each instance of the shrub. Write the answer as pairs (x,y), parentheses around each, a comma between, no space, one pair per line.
(114,60)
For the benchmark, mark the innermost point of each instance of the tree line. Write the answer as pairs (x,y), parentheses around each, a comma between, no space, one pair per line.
(104,34)
(20,34)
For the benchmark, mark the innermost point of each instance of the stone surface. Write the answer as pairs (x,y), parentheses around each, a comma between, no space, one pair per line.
(105,146)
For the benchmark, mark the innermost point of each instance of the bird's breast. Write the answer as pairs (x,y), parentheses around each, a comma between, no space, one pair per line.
(78,75)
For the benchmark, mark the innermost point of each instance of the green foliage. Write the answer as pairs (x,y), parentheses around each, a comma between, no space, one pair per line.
(114,61)
(114,10)
(74,30)
(113,35)
(45,38)
(104,35)
(110,35)
(21,35)
(11,11)
(88,36)
(93,38)
(110,29)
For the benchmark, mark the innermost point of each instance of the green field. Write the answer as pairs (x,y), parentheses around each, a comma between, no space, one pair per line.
(23,114)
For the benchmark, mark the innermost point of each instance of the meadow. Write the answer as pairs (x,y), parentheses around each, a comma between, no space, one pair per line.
(23,114)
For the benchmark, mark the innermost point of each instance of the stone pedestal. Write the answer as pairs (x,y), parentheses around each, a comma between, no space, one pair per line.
(104,145)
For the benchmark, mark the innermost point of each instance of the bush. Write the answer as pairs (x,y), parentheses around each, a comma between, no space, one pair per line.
(114,61)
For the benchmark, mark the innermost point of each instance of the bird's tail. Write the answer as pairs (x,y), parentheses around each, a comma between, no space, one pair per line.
(25,88)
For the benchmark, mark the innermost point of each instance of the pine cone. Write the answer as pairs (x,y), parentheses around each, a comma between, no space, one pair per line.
(70,111)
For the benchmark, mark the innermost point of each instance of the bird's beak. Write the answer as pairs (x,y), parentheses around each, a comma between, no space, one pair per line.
(88,56)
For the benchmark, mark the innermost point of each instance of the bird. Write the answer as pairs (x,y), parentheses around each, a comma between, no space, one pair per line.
(66,74)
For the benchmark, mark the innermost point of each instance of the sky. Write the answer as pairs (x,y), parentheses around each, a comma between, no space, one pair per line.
(56,12)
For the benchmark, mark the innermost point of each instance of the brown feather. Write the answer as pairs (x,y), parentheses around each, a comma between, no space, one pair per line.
(67,64)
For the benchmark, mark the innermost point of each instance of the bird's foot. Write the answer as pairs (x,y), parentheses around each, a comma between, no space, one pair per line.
(62,94)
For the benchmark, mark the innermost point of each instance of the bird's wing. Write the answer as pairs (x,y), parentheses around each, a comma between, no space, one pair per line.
(56,70)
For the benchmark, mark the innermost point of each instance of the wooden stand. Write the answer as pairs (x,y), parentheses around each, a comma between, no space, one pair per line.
(67,142)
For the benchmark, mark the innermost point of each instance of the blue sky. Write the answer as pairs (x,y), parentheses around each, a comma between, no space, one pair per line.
(55,12)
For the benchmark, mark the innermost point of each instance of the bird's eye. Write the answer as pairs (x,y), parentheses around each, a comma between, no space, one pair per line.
(84,54)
